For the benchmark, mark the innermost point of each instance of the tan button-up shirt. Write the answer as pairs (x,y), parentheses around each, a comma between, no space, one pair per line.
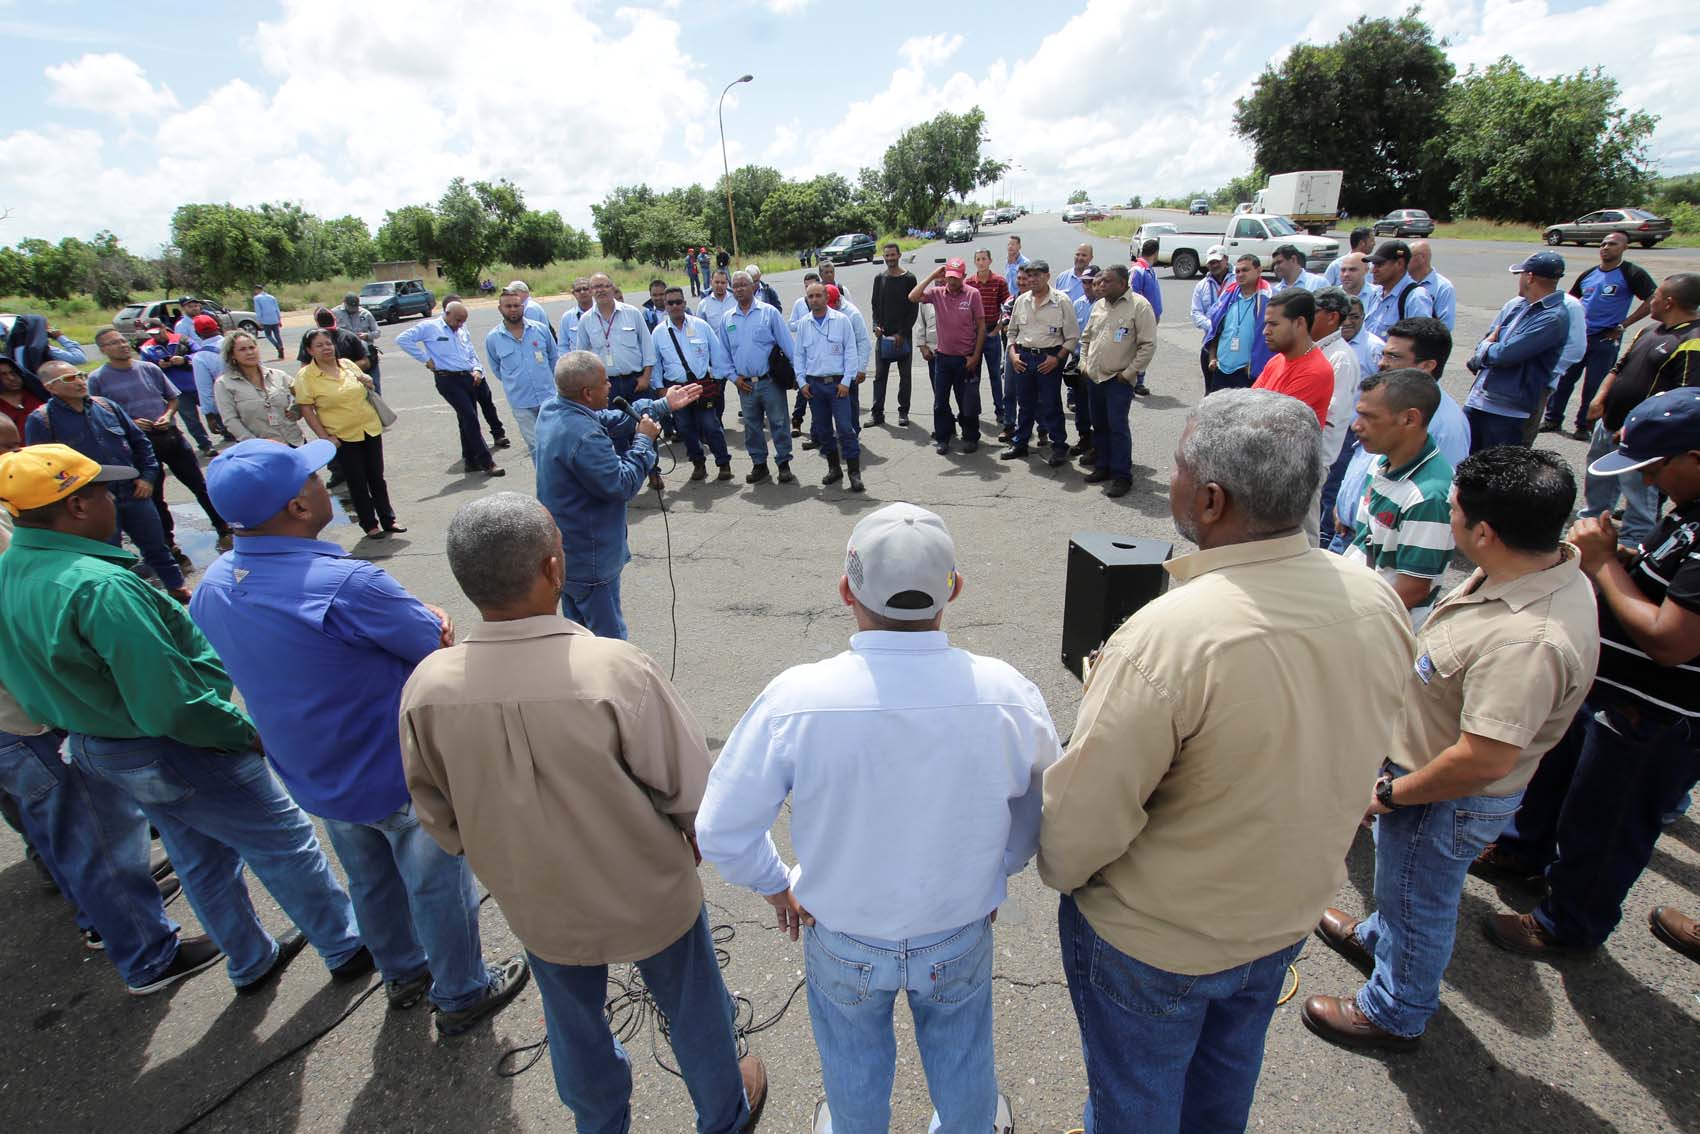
(1203,810)
(568,771)
(1044,326)
(1509,661)
(1119,338)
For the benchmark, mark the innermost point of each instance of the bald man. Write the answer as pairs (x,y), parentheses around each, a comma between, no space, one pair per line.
(1072,283)
(445,347)
(1439,288)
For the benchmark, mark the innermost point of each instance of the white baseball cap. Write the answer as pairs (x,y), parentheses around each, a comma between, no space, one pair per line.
(901,552)
(1217,252)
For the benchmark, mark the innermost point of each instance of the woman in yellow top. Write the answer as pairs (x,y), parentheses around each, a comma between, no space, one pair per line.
(332,395)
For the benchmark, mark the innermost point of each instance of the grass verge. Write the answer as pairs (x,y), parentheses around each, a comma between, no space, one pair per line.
(1501,230)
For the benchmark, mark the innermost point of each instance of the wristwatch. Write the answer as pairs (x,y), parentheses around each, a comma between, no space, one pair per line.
(1384,793)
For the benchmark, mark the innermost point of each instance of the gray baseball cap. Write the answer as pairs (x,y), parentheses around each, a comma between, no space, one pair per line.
(901,552)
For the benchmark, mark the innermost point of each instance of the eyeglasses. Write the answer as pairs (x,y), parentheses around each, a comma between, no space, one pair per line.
(675,303)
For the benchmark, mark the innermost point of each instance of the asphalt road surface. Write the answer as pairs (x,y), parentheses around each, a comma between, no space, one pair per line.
(1590,1046)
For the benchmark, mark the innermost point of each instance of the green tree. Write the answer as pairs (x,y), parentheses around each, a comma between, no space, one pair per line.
(613,216)
(662,231)
(1543,149)
(55,271)
(223,245)
(934,162)
(1370,104)
(1079,197)
(1242,188)
(408,233)
(535,239)
(1136,202)
(751,185)
(347,246)
(113,272)
(466,235)
(14,272)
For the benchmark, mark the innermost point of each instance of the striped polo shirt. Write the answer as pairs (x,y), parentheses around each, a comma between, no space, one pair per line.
(1405,522)
(1667,568)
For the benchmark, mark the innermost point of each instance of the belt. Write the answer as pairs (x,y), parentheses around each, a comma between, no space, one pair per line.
(453,373)
(826,377)
(1052,349)
(627,374)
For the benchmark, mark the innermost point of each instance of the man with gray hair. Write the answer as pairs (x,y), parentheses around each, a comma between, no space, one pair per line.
(360,323)
(533,309)
(591,461)
(580,820)
(445,347)
(1184,903)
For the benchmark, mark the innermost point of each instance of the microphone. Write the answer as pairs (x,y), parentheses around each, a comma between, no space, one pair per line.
(625,407)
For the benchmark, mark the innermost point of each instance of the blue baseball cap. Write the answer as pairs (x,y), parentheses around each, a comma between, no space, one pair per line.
(1665,425)
(1549,265)
(250,482)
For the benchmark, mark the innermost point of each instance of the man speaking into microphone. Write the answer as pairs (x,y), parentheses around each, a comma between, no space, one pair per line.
(592,460)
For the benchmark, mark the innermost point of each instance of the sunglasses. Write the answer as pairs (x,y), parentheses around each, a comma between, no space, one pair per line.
(675,303)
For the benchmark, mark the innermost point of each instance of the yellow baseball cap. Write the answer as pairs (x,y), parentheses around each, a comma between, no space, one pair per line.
(38,475)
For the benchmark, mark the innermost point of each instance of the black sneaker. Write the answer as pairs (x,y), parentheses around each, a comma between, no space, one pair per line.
(169,890)
(809,443)
(92,941)
(1118,487)
(501,443)
(509,978)
(1581,433)
(193,955)
(1550,427)
(878,418)
(1014,452)
(903,418)
(1098,476)
(1141,390)
(1058,457)
(357,966)
(289,946)
(970,446)
(404,994)
(942,448)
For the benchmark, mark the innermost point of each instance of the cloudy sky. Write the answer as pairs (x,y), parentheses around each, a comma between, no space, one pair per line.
(358,107)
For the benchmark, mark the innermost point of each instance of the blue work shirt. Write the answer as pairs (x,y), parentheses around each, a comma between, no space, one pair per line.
(1070,285)
(141,388)
(182,377)
(750,337)
(826,347)
(103,433)
(1310,281)
(185,327)
(1009,271)
(266,310)
(1143,281)
(1575,344)
(702,349)
(1237,322)
(1204,296)
(569,327)
(859,326)
(622,342)
(1368,348)
(62,349)
(590,464)
(1331,274)
(712,310)
(534,311)
(430,340)
(526,365)
(1607,295)
(1443,296)
(1385,313)
(1082,311)
(1517,368)
(320,644)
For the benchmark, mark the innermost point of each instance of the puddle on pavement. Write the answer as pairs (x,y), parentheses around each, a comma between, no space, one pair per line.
(200,543)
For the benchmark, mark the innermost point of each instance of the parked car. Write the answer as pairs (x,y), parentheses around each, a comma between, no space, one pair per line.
(1643,228)
(1257,233)
(389,300)
(133,318)
(849,248)
(1150,230)
(1074,214)
(1401,223)
(959,232)
(1007,214)
(1199,208)
(991,216)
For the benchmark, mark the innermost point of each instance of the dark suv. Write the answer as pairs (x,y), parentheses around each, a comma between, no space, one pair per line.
(1401,223)
(849,248)
(389,300)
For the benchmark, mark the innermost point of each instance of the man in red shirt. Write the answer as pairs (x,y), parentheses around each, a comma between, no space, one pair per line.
(1299,369)
(956,360)
(993,289)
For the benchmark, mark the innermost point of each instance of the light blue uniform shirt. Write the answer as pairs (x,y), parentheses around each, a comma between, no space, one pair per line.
(623,342)
(702,349)
(207,365)
(712,310)
(750,336)
(1368,348)
(569,327)
(1082,309)
(1577,344)
(864,341)
(1332,272)
(1204,296)
(1239,324)
(826,347)
(185,327)
(1070,285)
(1443,296)
(1009,271)
(432,341)
(534,311)
(1310,281)
(62,349)
(1419,305)
(526,365)
(266,309)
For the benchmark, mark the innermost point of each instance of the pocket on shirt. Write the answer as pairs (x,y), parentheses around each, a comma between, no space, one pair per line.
(841,981)
(1135,986)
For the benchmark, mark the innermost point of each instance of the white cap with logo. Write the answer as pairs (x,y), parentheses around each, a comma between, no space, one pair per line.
(901,552)
(1217,252)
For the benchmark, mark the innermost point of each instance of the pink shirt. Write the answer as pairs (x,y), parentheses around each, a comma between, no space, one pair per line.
(959,315)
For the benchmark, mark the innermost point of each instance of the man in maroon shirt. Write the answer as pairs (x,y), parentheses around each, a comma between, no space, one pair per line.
(993,289)
(961,317)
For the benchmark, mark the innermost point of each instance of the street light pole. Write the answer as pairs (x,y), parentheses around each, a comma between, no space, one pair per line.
(725,167)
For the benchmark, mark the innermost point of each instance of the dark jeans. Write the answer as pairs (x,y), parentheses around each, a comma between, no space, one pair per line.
(378,379)
(1085,413)
(593,1074)
(487,406)
(699,424)
(1601,353)
(457,389)
(1331,486)
(619,386)
(1592,813)
(1166,1051)
(595,606)
(1215,380)
(139,519)
(882,369)
(991,357)
(832,419)
(1038,399)
(1204,367)
(274,335)
(951,379)
(1111,401)
(174,454)
(189,412)
(1488,430)
(362,465)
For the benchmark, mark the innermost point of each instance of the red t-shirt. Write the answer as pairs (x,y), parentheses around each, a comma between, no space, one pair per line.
(993,291)
(1310,380)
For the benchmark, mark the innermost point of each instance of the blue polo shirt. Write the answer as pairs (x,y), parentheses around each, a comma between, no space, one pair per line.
(526,365)
(320,646)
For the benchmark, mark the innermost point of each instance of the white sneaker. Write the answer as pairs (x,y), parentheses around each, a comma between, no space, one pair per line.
(1002,1122)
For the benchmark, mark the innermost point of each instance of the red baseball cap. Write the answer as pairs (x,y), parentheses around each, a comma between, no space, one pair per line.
(956,268)
(206,326)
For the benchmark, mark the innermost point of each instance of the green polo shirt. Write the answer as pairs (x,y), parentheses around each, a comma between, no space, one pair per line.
(87,646)
(1405,522)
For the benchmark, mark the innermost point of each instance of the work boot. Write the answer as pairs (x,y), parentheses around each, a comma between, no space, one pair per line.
(1678,931)
(807,442)
(1099,476)
(855,474)
(758,475)
(1338,1019)
(508,978)
(834,471)
(1339,931)
(725,473)
(754,1074)
(699,470)
(785,476)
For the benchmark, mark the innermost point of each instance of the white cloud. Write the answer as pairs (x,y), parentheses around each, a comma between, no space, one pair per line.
(109,83)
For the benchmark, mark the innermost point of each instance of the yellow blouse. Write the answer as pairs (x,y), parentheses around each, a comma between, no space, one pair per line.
(340,400)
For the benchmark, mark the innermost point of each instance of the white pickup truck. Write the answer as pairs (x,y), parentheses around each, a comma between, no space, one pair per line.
(1257,233)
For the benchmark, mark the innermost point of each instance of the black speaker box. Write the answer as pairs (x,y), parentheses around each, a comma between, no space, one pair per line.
(1109,577)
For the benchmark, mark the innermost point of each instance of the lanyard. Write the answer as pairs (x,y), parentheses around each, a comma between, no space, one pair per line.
(608,327)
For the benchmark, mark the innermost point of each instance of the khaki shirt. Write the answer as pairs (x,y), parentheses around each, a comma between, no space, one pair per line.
(1202,813)
(1044,326)
(1119,338)
(568,771)
(1508,661)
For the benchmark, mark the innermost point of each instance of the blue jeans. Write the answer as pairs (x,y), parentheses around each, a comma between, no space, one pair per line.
(526,418)
(1488,430)
(1080,396)
(274,335)
(1593,812)
(189,411)
(625,386)
(1216,380)
(700,424)
(832,419)
(1421,856)
(417,906)
(1601,353)
(1166,1051)
(595,606)
(94,842)
(457,390)
(951,379)
(991,356)
(1113,436)
(947,977)
(593,1075)
(764,408)
(1038,400)
(139,519)
(217,812)
(1331,487)
(1600,493)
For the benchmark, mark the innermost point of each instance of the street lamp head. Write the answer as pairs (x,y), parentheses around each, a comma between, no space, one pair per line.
(747,79)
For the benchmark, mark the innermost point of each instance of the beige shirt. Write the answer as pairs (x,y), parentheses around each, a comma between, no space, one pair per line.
(1119,338)
(568,771)
(1203,810)
(1044,325)
(1508,661)
(248,412)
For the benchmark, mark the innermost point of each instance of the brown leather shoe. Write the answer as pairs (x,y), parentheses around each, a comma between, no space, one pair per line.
(1338,1019)
(1521,933)
(1677,930)
(1497,868)
(754,1072)
(1339,932)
